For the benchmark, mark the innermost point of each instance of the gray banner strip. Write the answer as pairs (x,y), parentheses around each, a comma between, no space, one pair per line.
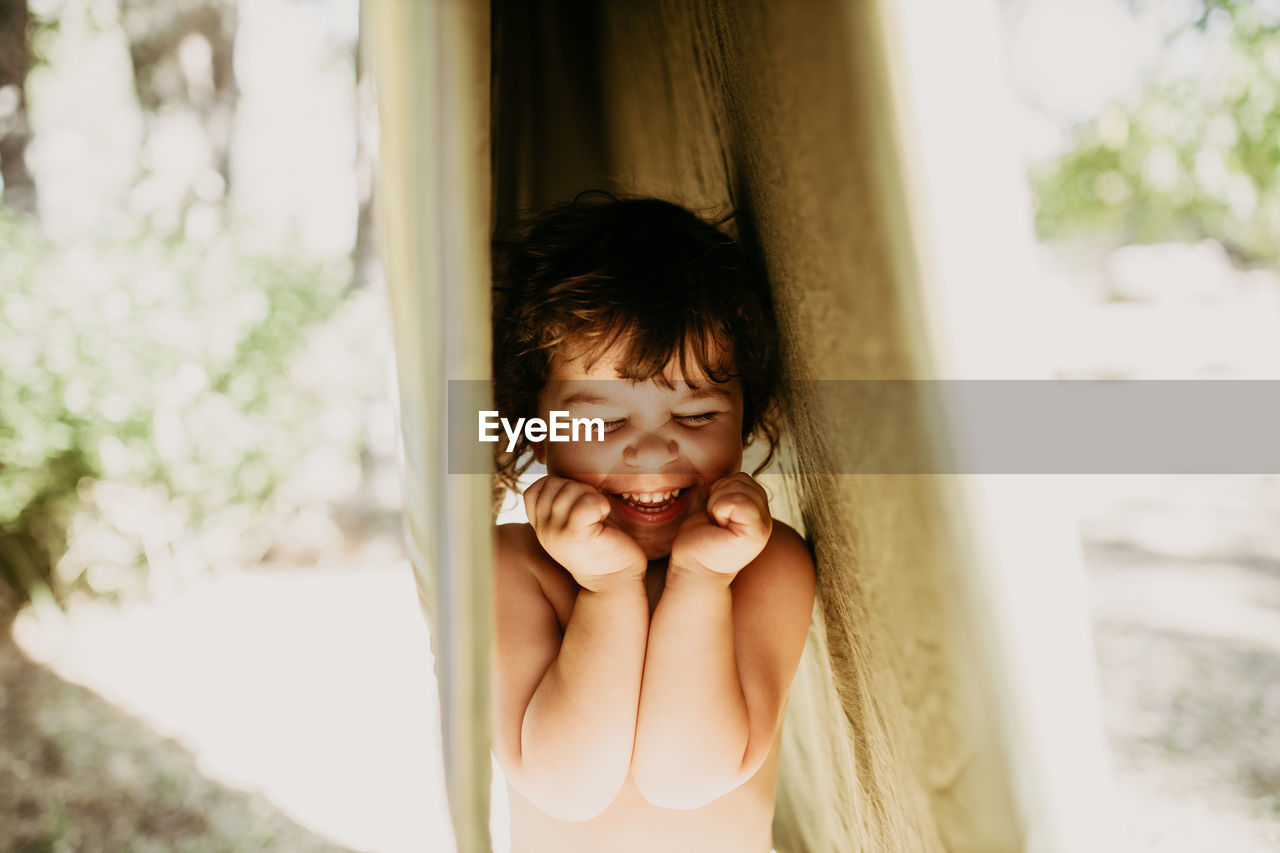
(997,427)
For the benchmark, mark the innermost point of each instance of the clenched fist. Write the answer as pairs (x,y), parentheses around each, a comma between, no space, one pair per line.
(731,532)
(571,520)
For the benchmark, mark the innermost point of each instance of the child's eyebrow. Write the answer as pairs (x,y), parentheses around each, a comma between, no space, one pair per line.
(582,398)
(702,392)
(690,393)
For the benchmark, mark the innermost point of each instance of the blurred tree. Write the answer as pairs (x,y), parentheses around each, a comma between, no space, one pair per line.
(16,26)
(160,399)
(365,258)
(1194,154)
(183,68)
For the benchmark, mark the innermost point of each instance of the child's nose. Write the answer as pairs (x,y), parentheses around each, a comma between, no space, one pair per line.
(650,451)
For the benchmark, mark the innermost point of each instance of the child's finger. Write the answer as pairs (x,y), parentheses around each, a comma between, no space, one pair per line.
(750,489)
(725,482)
(747,485)
(531,496)
(730,507)
(740,511)
(590,508)
(564,501)
(541,514)
(738,482)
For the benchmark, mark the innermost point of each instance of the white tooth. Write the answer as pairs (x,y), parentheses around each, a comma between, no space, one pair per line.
(649,498)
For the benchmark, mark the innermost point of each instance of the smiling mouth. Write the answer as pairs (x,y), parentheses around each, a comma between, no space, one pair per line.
(651,502)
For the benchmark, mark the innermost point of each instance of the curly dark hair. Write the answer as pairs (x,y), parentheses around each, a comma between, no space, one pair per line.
(600,270)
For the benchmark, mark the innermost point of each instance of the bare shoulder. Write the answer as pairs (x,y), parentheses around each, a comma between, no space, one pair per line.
(772,611)
(527,580)
(517,547)
(786,559)
(520,559)
(527,634)
(788,546)
(517,564)
(775,591)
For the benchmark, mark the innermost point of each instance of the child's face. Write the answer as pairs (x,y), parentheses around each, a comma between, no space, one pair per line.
(662,448)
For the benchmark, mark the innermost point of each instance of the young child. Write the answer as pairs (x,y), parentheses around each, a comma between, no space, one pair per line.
(651,615)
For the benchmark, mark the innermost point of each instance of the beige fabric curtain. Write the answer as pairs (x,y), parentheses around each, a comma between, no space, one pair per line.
(946,699)
(431,66)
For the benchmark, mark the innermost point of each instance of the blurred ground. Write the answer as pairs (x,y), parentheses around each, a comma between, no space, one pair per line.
(1184,571)
(1185,577)
(78,773)
(288,709)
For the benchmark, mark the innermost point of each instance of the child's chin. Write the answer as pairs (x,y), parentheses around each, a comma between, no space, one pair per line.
(655,547)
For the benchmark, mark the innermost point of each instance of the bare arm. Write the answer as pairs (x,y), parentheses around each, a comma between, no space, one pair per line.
(722,653)
(565,707)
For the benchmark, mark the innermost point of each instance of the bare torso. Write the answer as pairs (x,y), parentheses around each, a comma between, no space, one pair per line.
(739,822)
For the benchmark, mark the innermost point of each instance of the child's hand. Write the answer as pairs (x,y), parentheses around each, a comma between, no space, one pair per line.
(731,533)
(571,520)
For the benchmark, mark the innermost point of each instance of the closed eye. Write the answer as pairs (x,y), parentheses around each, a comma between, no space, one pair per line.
(616,423)
(697,420)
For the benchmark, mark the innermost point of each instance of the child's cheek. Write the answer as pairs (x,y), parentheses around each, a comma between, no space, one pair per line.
(583,461)
(720,451)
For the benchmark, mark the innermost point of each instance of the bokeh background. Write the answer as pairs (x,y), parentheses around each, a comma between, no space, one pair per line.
(210,634)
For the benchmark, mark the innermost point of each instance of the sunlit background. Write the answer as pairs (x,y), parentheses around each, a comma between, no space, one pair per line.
(216,637)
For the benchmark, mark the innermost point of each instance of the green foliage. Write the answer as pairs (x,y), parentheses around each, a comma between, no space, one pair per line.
(1195,154)
(155,396)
